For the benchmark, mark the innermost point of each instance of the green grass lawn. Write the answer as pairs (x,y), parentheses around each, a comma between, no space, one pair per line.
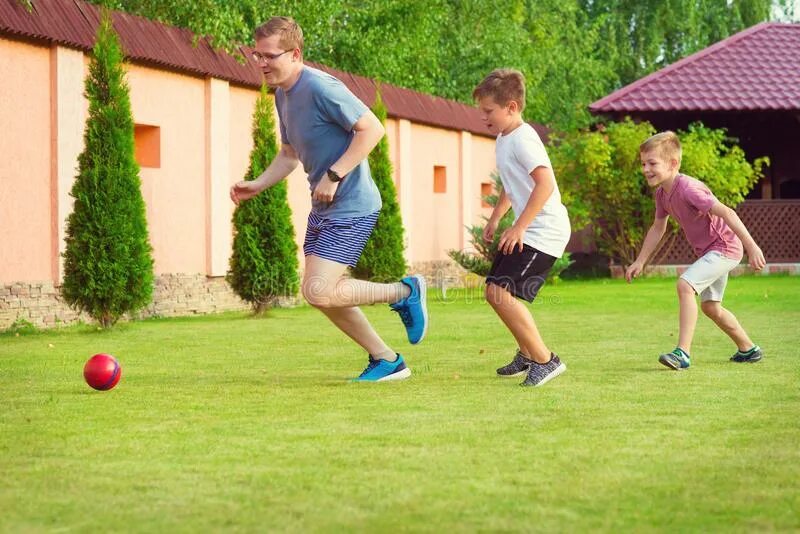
(232,423)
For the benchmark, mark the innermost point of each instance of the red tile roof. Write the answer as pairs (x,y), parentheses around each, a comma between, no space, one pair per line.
(756,69)
(73,23)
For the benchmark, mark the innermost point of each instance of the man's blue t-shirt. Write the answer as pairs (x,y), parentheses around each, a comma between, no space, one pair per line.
(316,118)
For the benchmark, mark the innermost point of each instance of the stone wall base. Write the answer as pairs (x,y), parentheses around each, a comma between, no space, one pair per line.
(446,273)
(41,304)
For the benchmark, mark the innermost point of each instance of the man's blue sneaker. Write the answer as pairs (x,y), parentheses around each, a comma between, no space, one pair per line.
(382,370)
(413,309)
(675,360)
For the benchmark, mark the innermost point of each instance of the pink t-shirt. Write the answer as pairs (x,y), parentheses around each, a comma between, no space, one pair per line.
(689,201)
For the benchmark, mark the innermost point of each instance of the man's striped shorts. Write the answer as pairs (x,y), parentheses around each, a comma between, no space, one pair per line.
(339,240)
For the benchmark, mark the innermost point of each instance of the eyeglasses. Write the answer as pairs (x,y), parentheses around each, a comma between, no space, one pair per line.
(258,57)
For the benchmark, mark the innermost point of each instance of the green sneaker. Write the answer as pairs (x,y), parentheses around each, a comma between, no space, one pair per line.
(675,360)
(750,356)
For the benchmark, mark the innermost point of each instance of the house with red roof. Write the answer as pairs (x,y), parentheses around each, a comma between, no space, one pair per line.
(748,84)
(192,106)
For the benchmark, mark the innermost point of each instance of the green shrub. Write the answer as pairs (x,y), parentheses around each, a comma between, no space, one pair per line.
(108,267)
(20,326)
(713,157)
(263,265)
(382,259)
(561,264)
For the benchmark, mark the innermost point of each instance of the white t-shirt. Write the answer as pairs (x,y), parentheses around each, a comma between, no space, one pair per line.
(517,155)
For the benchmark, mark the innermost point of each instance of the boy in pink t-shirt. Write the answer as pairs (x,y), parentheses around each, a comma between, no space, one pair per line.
(715,233)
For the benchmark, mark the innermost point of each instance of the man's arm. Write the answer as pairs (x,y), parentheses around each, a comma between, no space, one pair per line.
(368,131)
(283,164)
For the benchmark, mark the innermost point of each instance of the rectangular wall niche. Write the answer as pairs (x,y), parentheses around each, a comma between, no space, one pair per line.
(148,145)
(439,179)
(487,189)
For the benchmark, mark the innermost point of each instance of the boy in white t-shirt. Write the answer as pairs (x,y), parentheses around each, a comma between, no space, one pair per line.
(541,229)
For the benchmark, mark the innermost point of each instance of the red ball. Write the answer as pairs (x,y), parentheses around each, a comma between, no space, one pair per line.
(102,371)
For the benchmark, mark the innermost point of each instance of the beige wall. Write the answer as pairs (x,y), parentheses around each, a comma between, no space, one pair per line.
(67,118)
(435,222)
(205,140)
(175,192)
(25,207)
(483,165)
(243,101)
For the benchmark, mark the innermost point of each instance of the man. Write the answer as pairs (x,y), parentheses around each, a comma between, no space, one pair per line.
(324,126)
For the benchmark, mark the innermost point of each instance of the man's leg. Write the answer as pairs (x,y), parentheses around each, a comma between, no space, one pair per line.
(326,287)
(323,288)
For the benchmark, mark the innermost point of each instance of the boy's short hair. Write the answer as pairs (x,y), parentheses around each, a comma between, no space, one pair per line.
(290,32)
(503,85)
(666,144)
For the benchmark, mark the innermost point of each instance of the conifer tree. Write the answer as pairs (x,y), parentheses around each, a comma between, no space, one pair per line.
(108,265)
(264,264)
(382,259)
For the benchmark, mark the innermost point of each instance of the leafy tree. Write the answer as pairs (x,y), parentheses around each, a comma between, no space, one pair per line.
(601,180)
(572,52)
(108,268)
(264,264)
(224,22)
(382,259)
(710,155)
(564,72)
(641,37)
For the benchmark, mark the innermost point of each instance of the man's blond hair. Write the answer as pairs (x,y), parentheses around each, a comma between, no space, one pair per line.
(503,85)
(291,35)
(665,144)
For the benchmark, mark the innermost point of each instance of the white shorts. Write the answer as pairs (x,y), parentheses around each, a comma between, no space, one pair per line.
(709,275)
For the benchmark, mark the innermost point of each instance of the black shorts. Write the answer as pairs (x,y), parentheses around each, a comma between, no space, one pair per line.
(521,273)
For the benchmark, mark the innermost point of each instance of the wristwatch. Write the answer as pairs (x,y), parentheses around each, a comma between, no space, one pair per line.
(333,176)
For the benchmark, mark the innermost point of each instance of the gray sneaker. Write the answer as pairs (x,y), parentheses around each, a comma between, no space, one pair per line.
(540,374)
(751,356)
(518,366)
